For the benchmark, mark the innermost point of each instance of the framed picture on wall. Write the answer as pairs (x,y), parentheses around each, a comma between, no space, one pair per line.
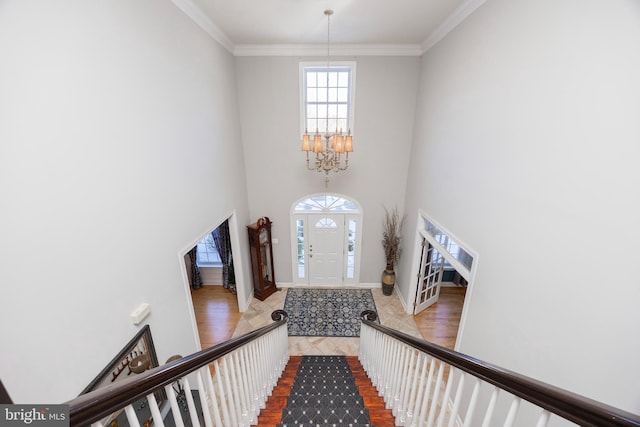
(138,355)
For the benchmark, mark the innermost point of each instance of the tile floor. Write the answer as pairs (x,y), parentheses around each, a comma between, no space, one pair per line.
(389,309)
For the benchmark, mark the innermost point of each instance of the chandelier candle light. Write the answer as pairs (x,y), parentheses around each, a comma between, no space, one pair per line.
(328,156)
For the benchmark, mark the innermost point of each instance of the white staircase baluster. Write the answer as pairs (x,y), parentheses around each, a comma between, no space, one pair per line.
(173,402)
(255,376)
(248,377)
(422,399)
(456,401)
(418,376)
(372,369)
(445,399)
(213,398)
(227,383)
(221,394)
(238,407)
(190,403)
(386,370)
(437,387)
(204,397)
(513,410)
(155,410)
(245,417)
(271,360)
(397,379)
(407,375)
(262,390)
(402,381)
(472,403)
(491,407)
(131,416)
(386,373)
(543,419)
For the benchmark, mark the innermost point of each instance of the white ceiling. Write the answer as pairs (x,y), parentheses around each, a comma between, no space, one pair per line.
(269,25)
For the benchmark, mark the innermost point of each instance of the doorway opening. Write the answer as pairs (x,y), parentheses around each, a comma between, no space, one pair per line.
(210,262)
(216,304)
(326,238)
(442,264)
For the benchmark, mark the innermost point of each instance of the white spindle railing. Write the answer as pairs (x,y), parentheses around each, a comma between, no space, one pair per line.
(231,397)
(421,389)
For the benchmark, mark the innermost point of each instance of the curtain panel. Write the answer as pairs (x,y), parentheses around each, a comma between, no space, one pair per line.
(196,278)
(222,239)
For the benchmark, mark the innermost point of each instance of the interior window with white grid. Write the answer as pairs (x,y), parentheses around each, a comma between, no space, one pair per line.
(208,255)
(327,98)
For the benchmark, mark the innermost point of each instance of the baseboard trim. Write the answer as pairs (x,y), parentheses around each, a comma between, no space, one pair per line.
(406,307)
(304,285)
(246,303)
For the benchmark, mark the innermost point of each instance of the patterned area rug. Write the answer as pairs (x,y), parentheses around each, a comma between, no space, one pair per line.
(326,312)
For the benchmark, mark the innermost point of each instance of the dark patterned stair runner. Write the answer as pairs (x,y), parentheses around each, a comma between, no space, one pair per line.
(324,393)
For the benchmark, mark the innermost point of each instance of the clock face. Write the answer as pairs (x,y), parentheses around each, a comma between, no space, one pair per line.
(264,236)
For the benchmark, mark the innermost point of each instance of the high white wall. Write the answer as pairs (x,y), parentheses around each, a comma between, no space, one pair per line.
(526,147)
(269,97)
(119,149)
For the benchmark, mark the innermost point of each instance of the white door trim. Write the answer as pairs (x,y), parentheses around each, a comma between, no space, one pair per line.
(352,213)
(469,275)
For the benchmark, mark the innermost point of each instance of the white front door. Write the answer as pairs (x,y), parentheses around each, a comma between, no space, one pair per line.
(429,277)
(326,245)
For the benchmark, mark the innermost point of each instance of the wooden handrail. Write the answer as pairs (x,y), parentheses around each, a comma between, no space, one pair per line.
(88,408)
(4,395)
(569,405)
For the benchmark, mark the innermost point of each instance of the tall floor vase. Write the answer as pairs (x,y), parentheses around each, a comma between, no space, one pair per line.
(388,281)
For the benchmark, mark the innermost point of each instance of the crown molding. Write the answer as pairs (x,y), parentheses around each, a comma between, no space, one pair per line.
(321,50)
(458,15)
(199,17)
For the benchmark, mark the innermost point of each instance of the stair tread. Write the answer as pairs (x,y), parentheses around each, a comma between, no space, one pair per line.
(314,415)
(325,401)
(311,387)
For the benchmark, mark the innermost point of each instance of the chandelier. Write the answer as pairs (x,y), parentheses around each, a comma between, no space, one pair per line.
(333,153)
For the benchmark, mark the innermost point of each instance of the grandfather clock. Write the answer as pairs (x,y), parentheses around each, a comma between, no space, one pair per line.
(264,283)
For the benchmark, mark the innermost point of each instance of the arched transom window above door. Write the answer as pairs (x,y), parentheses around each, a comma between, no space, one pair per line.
(326,223)
(325,244)
(326,203)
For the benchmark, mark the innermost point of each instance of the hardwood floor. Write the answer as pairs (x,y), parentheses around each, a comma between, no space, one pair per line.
(217,314)
(439,323)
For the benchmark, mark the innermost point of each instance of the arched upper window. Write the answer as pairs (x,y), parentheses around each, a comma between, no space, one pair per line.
(326,223)
(326,203)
